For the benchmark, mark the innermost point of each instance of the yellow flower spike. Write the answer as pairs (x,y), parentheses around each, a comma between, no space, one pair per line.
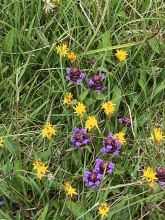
(68,98)
(69,189)
(157,135)
(80,109)
(121,55)
(1,142)
(103,209)
(150,176)
(48,131)
(62,50)
(91,122)
(72,57)
(120,137)
(108,107)
(40,168)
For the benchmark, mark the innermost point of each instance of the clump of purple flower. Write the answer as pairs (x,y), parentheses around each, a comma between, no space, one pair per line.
(111,145)
(160,174)
(92,179)
(74,75)
(125,121)
(80,138)
(96,83)
(102,166)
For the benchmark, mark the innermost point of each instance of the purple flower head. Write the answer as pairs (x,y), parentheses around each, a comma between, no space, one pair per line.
(92,179)
(96,83)
(125,121)
(74,75)
(2,202)
(102,166)
(79,137)
(111,145)
(160,174)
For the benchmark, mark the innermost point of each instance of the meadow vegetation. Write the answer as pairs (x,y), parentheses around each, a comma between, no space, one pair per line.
(82,109)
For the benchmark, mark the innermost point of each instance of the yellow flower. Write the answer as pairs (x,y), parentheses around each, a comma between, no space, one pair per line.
(62,50)
(150,176)
(103,210)
(109,108)
(72,57)
(48,130)
(40,168)
(80,109)
(121,55)
(68,98)
(120,137)
(157,135)
(69,189)
(1,142)
(91,123)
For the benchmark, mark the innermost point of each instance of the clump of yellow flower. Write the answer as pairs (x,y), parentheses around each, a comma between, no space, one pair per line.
(109,108)
(91,122)
(103,209)
(121,55)
(68,98)
(157,135)
(80,109)
(40,168)
(69,189)
(62,50)
(121,137)
(1,141)
(150,176)
(72,57)
(48,130)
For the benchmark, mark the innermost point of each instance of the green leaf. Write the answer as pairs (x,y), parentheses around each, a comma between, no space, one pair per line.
(146,5)
(122,14)
(116,98)
(105,41)
(142,84)
(154,45)
(9,41)
(78,211)
(119,169)
(4,216)
(11,146)
(83,95)
(159,89)
(44,213)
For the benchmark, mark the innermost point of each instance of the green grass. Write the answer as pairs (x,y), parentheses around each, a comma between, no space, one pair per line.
(32,87)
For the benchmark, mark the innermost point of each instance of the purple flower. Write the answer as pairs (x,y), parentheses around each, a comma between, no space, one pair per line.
(79,137)
(74,75)
(2,202)
(92,179)
(96,83)
(160,174)
(102,166)
(111,145)
(125,121)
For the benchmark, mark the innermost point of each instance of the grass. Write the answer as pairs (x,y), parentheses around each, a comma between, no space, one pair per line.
(32,86)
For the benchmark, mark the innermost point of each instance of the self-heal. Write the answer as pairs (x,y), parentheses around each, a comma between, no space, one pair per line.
(96,83)
(74,75)
(111,145)
(102,166)
(80,138)
(92,179)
